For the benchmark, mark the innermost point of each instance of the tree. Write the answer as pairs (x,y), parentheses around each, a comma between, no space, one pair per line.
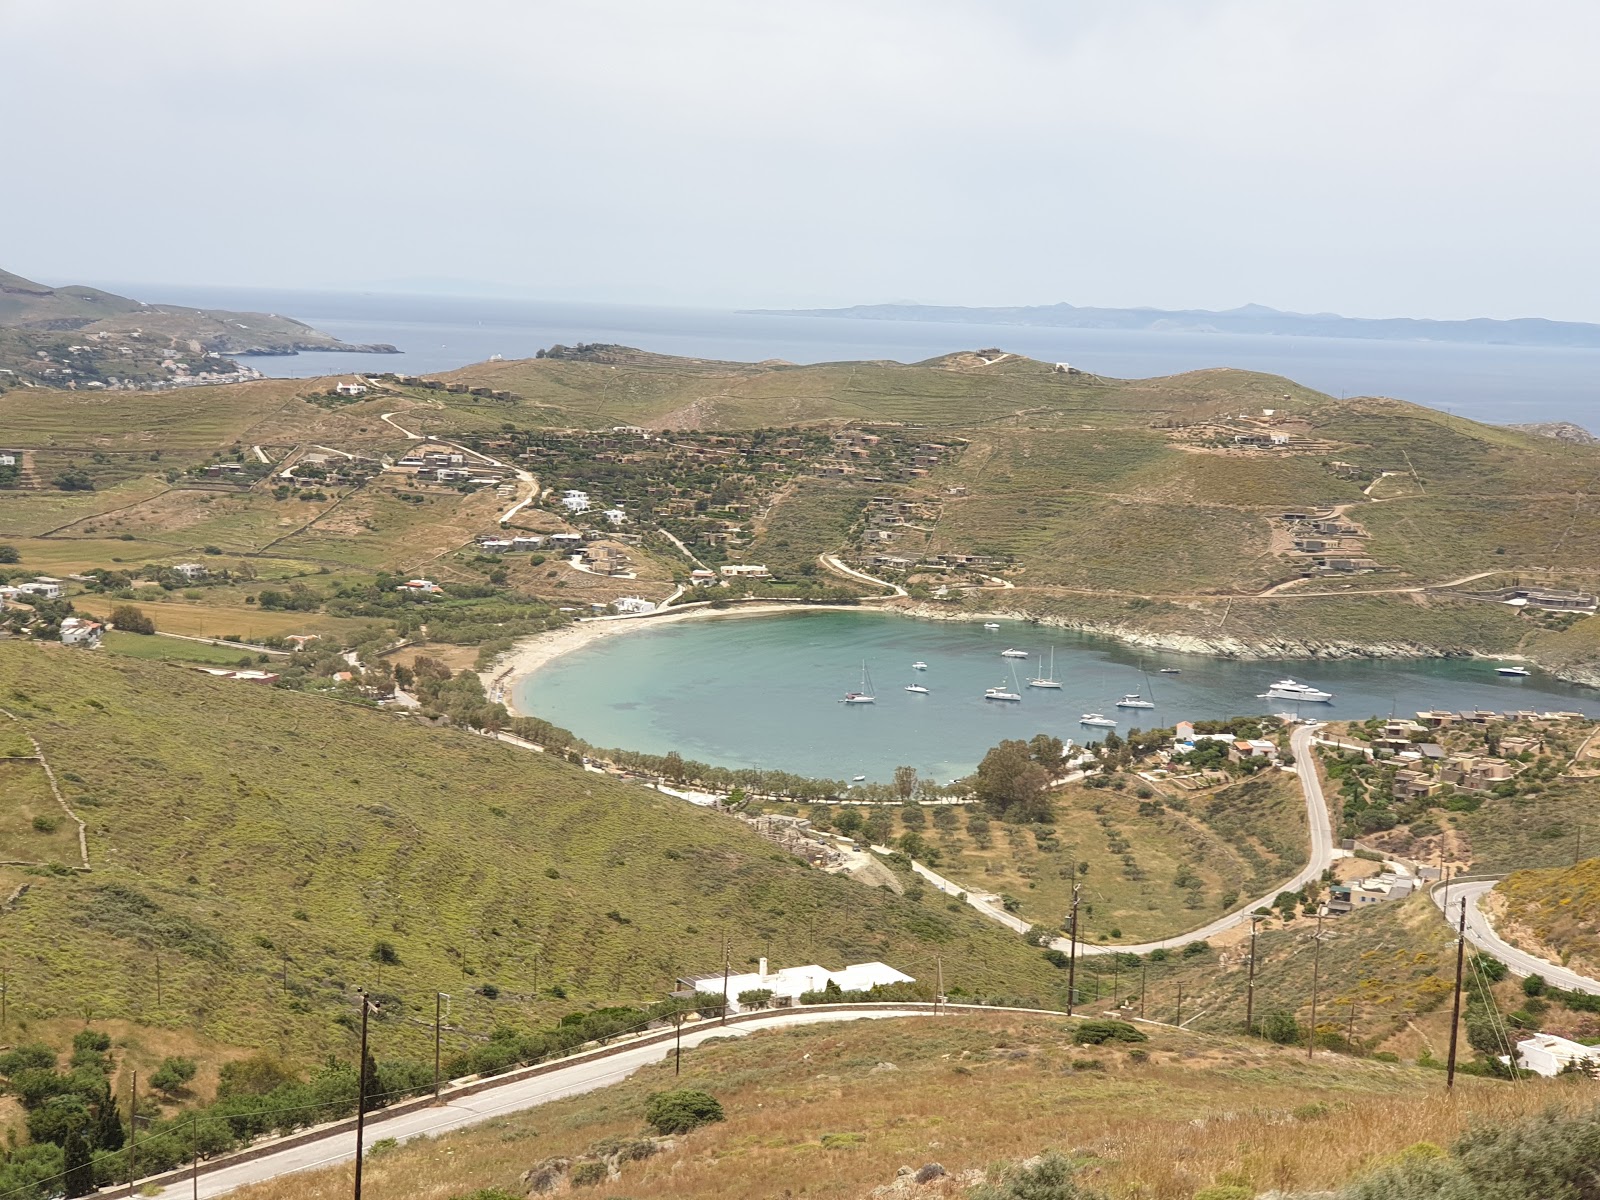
(173,1073)
(1279,1025)
(905,782)
(108,1131)
(9,554)
(1012,785)
(79,1163)
(681,1110)
(131,619)
(385,953)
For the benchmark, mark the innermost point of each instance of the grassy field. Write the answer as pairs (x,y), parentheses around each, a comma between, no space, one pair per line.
(971,1093)
(1555,909)
(175,650)
(247,836)
(210,620)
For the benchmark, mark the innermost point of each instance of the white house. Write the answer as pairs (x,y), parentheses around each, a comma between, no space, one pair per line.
(78,631)
(1547,1054)
(43,587)
(616,516)
(351,389)
(425,586)
(495,545)
(527,542)
(8,459)
(634,605)
(575,501)
(748,570)
(789,983)
(190,571)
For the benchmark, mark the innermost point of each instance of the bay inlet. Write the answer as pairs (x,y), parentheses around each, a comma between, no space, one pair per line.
(764,691)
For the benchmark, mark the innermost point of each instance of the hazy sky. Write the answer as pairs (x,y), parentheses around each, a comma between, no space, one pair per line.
(1372,157)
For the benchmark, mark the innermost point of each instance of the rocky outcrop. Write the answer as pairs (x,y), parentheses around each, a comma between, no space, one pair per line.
(1562,431)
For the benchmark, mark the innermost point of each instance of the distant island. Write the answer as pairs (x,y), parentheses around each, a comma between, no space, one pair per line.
(81,336)
(1251,318)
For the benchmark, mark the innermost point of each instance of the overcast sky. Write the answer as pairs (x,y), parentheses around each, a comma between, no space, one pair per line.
(1422,158)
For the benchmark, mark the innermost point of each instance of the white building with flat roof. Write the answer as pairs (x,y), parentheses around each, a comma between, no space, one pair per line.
(1548,1054)
(790,983)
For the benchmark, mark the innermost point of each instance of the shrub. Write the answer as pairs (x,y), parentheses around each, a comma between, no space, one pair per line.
(1533,985)
(681,1110)
(1225,1191)
(755,998)
(1051,1178)
(132,619)
(385,953)
(1098,1032)
(8,554)
(43,824)
(1279,1026)
(173,1073)
(588,1174)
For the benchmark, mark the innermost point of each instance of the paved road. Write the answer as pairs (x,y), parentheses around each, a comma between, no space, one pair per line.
(1317,820)
(339,1145)
(832,563)
(389,419)
(1482,935)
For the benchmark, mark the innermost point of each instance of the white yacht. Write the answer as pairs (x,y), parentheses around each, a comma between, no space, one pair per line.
(1172,670)
(1514,672)
(1288,689)
(1048,679)
(1013,653)
(864,694)
(1001,692)
(1134,700)
(919,666)
(991,624)
(1097,720)
(917,688)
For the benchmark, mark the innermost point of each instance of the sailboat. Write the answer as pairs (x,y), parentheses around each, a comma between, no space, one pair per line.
(864,695)
(1048,680)
(1000,693)
(1134,700)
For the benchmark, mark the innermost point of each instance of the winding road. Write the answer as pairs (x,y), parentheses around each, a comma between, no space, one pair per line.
(831,562)
(472,1103)
(1482,935)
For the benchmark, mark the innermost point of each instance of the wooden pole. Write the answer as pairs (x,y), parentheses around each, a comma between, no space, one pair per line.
(436,998)
(727,965)
(1072,950)
(194,1139)
(1455,1010)
(1144,970)
(133,1130)
(1180,1006)
(1316,962)
(1250,986)
(361,1095)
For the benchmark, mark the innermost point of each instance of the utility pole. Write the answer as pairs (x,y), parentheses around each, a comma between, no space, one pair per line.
(133,1131)
(727,965)
(285,972)
(1350,1029)
(1250,985)
(1115,966)
(1578,853)
(1316,962)
(437,999)
(361,1094)
(938,996)
(194,1139)
(1144,971)
(158,981)
(1455,1010)
(1072,949)
(5,993)
(1180,1006)
(677,1043)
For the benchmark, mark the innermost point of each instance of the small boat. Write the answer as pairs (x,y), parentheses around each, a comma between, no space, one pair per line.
(1047,680)
(1171,671)
(1288,689)
(1000,692)
(917,688)
(857,778)
(919,666)
(1097,720)
(1513,672)
(1013,653)
(1134,700)
(864,694)
(991,624)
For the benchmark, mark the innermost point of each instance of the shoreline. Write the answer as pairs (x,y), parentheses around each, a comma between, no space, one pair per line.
(530,655)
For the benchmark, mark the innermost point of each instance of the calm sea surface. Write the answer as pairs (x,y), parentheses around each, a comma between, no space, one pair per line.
(1500,384)
(764,691)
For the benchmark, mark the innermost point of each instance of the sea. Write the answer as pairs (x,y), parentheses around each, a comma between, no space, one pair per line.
(1498,384)
(764,692)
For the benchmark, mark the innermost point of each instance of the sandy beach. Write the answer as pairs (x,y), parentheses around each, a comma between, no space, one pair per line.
(501,680)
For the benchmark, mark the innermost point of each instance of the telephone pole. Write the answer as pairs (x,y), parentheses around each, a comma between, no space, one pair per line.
(1455,1009)
(361,1094)
(133,1130)
(1250,985)
(1180,1006)
(1144,971)
(727,965)
(437,998)
(1072,949)
(1316,962)
(938,995)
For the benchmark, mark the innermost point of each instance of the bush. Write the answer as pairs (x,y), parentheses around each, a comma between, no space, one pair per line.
(755,998)
(681,1110)
(173,1073)
(1279,1026)
(8,554)
(1051,1178)
(131,619)
(1533,985)
(385,953)
(1098,1032)
(1225,1191)
(588,1174)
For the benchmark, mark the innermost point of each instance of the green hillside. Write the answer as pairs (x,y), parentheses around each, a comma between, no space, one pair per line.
(243,836)
(1554,912)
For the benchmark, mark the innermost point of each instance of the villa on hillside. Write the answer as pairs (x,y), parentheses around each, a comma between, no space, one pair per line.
(788,984)
(1548,1054)
(79,631)
(746,570)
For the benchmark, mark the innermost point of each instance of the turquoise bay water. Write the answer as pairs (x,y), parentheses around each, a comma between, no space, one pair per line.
(764,691)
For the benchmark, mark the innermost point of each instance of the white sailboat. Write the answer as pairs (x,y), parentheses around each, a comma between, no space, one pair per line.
(1134,700)
(864,695)
(1048,680)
